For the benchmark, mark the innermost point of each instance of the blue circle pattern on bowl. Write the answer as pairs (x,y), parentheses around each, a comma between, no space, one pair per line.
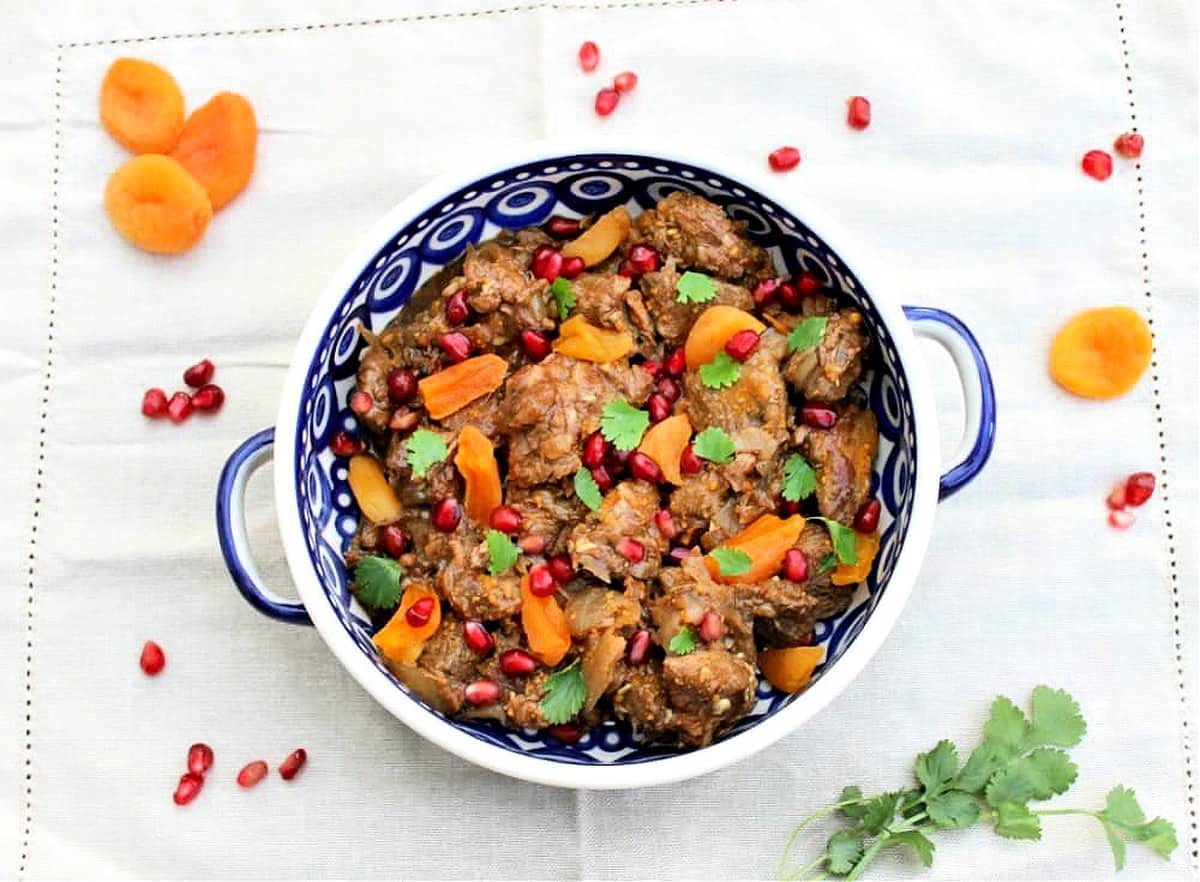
(526,196)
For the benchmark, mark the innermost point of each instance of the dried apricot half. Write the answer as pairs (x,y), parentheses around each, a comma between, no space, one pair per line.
(217,146)
(1101,353)
(155,204)
(141,106)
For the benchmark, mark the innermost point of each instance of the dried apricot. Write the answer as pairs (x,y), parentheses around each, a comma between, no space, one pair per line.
(217,146)
(155,204)
(141,106)
(1101,353)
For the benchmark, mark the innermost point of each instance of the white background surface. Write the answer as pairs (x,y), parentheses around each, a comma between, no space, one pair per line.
(965,187)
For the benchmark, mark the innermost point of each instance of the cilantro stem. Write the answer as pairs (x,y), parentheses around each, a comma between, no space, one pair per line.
(1064,812)
(804,825)
(869,855)
(808,868)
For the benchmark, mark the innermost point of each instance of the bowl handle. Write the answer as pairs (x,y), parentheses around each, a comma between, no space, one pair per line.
(979,396)
(252,453)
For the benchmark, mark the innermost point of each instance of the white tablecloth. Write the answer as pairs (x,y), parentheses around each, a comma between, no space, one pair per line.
(967,189)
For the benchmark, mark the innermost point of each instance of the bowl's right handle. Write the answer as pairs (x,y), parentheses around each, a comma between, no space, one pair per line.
(250,455)
(979,396)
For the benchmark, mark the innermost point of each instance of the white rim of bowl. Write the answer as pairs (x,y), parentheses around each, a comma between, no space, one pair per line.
(613,776)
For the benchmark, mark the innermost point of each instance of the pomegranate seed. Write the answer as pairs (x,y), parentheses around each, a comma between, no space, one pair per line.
(1129,145)
(179,408)
(742,344)
(482,692)
(419,614)
(858,112)
(765,291)
(679,553)
(517,663)
(153,659)
(456,345)
(361,403)
(541,581)
(606,101)
(602,478)
(818,416)
(643,467)
(506,519)
(293,763)
(546,262)
(675,364)
(617,461)
(532,544)
(534,344)
(457,309)
(630,549)
(394,540)
(402,385)
(689,463)
(252,773)
(571,267)
(867,519)
(189,788)
(595,449)
(788,507)
(625,82)
(589,56)
(808,284)
(666,524)
(668,388)
(477,637)
(1097,164)
(567,733)
(561,569)
(1116,496)
(789,297)
(643,259)
(795,565)
(625,268)
(659,407)
(562,227)
(404,420)
(200,758)
(199,374)
(711,627)
(1121,520)
(208,398)
(653,368)
(154,403)
(637,647)
(345,444)
(1139,488)
(784,159)
(445,515)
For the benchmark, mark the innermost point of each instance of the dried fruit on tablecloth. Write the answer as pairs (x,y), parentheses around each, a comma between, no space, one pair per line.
(156,205)
(141,106)
(1101,353)
(218,144)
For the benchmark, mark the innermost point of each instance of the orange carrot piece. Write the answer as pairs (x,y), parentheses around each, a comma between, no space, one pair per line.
(400,641)
(600,239)
(712,330)
(1101,353)
(664,443)
(866,546)
(582,340)
(374,495)
(453,388)
(218,144)
(789,670)
(545,625)
(476,461)
(141,106)
(766,541)
(154,203)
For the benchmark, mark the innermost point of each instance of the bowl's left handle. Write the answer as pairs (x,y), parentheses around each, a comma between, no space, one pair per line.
(252,453)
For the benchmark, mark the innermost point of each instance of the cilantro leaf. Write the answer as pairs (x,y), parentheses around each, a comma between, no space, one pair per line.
(565,694)
(425,448)
(564,296)
(828,562)
(1115,842)
(1159,836)
(880,812)
(502,553)
(723,371)
(1121,807)
(588,490)
(731,561)
(845,849)
(856,809)
(1056,719)
(1123,818)
(845,540)
(1053,771)
(684,641)
(918,842)
(952,809)
(983,762)
(799,478)
(1015,821)
(715,445)
(378,581)
(807,334)
(623,424)
(695,287)
(936,768)
(1016,782)
(1006,728)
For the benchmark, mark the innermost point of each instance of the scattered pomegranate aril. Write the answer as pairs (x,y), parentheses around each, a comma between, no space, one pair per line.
(675,364)
(1129,145)
(482,692)
(589,56)
(595,449)
(252,773)
(658,407)
(789,298)
(653,368)
(567,733)
(361,402)
(1121,520)
(1097,164)
(179,408)
(561,568)
(867,518)
(394,540)
(419,613)
(765,290)
(293,763)
(200,758)
(795,565)
(572,267)
(344,444)
(818,416)
(668,388)
(404,420)
(603,479)
(637,647)
(808,284)
(1116,496)
(457,309)
(153,659)
(783,159)
(534,344)
(630,549)
(446,515)
(644,468)
(154,404)
(625,268)
(789,507)
(532,544)
(546,262)
(477,637)
(711,627)
(1138,488)
(666,524)
(858,112)
(742,344)
(199,373)
(643,259)
(625,82)
(506,519)
(562,227)
(208,398)
(189,788)
(689,462)
(606,101)
(456,345)
(541,581)
(517,663)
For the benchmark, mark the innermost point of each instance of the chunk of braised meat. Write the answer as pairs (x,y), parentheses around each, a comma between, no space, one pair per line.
(672,319)
(688,594)
(843,457)
(627,512)
(642,700)
(828,371)
(482,413)
(700,235)
(606,300)
(523,703)
(466,584)
(708,690)
(432,687)
(441,479)
(447,653)
(592,610)
(704,509)
(547,511)
(831,600)
(504,294)
(550,407)
(374,365)
(784,612)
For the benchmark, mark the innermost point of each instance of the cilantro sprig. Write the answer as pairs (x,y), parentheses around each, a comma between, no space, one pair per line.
(723,371)
(694,287)
(565,693)
(731,561)
(799,478)
(378,580)
(564,296)
(502,553)
(1020,760)
(807,334)
(845,540)
(425,449)
(715,445)
(623,424)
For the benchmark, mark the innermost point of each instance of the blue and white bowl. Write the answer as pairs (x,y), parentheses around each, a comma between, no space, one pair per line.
(317,515)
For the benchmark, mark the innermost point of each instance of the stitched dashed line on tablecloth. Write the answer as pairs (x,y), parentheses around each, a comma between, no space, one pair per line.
(1164,498)
(428,16)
